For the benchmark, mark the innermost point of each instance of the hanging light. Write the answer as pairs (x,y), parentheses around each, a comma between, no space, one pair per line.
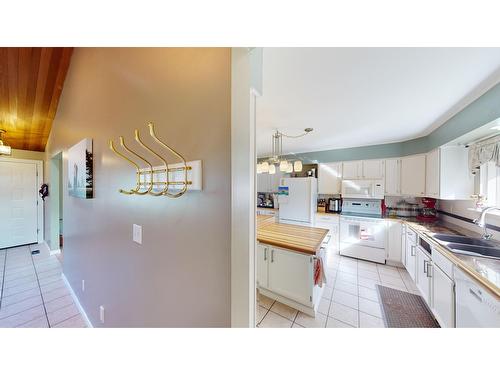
(5,149)
(290,168)
(297,166)
(272,169)
(259,168)
(283,165)
(264,167)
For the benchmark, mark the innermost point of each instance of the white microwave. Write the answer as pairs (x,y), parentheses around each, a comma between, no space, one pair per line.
(363,189)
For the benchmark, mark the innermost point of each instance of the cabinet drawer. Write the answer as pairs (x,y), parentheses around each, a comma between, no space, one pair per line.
(411,235)
(442,262)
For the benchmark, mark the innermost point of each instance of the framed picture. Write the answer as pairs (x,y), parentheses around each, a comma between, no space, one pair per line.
(81,170)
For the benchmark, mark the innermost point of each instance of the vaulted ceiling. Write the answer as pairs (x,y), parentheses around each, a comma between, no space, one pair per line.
(31,82)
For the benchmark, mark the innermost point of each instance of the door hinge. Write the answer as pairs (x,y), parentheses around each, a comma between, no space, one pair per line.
(310,299)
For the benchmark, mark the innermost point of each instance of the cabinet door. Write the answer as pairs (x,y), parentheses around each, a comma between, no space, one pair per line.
(443,298)
(394,241)
(262,257)
(403,244)
(423,280)
(432,174)
(329,178)
(373,169)
(351,169)
(290,275)
(410,258)
(393,177)
(413,175)
(263,182)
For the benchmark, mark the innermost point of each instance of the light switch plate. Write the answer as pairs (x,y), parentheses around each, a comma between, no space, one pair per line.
(137,233)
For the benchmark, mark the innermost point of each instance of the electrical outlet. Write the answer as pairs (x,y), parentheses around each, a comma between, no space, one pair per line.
(137,233)
(101,313)
(83,285)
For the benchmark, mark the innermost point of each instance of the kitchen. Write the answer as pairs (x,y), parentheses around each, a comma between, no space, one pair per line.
(385,234)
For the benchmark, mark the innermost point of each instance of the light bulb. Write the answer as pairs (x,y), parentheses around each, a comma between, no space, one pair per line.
(272,169)
(264,167)
(297,166)
(283,166)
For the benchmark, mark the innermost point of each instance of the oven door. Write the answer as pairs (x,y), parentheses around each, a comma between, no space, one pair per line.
(365,232)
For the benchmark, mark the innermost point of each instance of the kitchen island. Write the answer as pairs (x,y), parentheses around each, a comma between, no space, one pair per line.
(286,258)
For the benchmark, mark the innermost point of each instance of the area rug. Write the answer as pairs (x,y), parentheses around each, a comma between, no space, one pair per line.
(404,310)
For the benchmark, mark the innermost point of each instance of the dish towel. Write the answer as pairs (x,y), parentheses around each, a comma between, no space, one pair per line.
(319,272)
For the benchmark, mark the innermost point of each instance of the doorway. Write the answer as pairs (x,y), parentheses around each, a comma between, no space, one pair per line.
(56,208)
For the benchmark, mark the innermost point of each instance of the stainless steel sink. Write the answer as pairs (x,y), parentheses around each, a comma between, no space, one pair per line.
(462,240)
(482,251)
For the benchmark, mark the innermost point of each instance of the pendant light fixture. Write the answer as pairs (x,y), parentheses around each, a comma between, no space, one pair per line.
(287,166)
(5,149)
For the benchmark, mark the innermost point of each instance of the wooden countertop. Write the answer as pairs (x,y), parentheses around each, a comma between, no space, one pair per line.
(299,238)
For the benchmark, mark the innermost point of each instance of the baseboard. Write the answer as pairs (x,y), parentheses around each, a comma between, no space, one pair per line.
(77,302)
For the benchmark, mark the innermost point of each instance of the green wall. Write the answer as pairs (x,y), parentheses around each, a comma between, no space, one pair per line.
(483,110)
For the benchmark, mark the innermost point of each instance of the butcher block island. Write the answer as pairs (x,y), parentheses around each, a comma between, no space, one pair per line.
(289,263)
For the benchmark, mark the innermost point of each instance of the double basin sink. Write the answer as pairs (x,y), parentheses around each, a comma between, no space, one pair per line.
(468,245)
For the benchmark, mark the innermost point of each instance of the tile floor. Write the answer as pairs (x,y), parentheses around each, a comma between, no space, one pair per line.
(32,292)
(350,298)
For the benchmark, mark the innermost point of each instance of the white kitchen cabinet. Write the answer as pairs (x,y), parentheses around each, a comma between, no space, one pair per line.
(373,169)
(447,173)
(330,222)
(443,297)
(394,242)
(393,177)
(413,175)
(329,178)
(352,170)
(411,253)
(423,280)
(262,265)
(263,183)
(403,244)
(432,174)
(291,275)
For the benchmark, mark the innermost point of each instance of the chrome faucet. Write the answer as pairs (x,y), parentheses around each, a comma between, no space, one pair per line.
(481,221)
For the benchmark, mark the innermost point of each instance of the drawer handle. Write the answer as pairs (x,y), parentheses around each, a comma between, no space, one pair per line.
(429,266)
(265,253)
(475,295)
(412,252)
(272,256)
(425,267)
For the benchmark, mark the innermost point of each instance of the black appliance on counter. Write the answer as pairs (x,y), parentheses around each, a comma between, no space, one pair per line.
(265,200)
(334,205)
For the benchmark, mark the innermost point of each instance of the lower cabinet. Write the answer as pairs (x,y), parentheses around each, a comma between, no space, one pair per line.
(261,265)
(394,242)
(423,280)
(410,258)
(443,298)
(290,275)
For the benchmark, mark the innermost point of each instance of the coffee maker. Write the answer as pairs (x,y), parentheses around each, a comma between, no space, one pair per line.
(334,205)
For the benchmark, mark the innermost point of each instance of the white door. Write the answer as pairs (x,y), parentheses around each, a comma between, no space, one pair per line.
(262,257)
(373,169)
(443,298)
(351,169)
(432,174)
(18,204)
(392,177)
(290,275)
(329,178)
(413,175)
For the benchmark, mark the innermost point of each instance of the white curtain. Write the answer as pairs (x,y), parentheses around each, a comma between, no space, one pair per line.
(484,152)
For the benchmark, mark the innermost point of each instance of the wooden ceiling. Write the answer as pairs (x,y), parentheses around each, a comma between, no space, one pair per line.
(31,82)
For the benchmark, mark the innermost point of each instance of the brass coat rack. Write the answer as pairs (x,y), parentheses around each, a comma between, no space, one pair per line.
(150,177)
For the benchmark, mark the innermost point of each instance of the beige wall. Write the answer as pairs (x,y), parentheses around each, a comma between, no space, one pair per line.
(29,155)
(180,276)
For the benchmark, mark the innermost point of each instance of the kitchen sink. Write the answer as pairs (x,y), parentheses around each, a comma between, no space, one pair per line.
(482,251)
(462,240)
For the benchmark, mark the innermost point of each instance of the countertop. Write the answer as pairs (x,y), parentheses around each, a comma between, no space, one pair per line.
(486,271)
(299,238)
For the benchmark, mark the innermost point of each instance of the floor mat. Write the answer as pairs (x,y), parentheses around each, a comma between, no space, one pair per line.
(404,310)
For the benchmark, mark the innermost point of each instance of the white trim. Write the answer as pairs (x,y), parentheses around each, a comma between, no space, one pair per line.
(53,252)
(77,302)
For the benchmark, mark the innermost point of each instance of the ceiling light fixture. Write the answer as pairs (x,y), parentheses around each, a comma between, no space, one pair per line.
(287,166)
(5,149)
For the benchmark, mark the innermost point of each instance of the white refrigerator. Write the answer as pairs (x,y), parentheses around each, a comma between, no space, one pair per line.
(298,199)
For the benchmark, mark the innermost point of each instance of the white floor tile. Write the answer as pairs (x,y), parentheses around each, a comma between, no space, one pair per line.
(284,310)
(273,320)
(324,305)
(345,299)
(370,321)
(346,287)
(347,277)
(74,322)
(370,307)
(265,301)
(368,293)
(334,323)
(319,321)
(344,313)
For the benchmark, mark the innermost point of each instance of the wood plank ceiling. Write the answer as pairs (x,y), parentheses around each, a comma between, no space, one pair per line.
(31,82)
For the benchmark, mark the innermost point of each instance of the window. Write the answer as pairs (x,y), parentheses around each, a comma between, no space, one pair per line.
(488,183)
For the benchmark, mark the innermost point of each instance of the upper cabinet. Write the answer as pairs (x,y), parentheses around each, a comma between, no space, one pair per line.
(393,177)
(447,173)
(363,169)
(352,170)
(413,175)
(329,178)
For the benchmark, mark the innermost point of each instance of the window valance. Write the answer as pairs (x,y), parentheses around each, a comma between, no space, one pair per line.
(483,152)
